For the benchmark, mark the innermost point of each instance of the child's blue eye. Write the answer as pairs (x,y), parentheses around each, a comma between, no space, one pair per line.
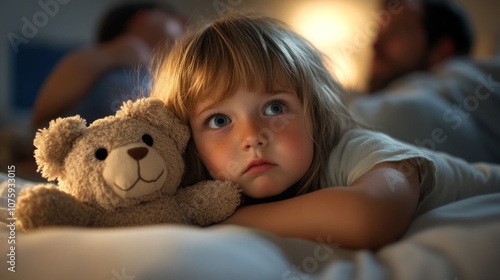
(275,108)
(218,121)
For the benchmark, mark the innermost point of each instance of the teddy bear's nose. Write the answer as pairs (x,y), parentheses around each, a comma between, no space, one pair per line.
(138,153)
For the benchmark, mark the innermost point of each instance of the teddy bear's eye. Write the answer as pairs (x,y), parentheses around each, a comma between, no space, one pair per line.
(147,139)
(101,154)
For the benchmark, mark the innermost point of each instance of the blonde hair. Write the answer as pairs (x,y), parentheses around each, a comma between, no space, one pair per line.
(254,52)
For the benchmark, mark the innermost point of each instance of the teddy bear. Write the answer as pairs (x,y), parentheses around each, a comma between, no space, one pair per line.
(121,170)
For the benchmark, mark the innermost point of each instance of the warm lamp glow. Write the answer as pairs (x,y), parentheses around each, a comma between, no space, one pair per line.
(343,68)
(331,26)
(322,23)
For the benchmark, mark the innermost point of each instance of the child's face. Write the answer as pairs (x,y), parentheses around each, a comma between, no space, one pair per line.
(263,141)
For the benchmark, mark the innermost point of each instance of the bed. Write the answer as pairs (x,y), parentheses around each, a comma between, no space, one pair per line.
(457,241)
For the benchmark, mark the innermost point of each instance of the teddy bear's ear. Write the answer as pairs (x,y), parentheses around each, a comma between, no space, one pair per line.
(54,143)
(154,111)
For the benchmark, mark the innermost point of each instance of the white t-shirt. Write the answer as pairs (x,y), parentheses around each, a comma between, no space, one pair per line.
(443,178)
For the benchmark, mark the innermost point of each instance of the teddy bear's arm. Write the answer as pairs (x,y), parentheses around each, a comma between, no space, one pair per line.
(46,205)
(209,202)
(159,211)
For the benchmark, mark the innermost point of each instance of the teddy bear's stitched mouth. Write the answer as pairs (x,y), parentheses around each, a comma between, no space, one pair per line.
(140,179)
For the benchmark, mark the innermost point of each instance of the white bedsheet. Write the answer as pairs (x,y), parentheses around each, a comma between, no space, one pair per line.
(458,241)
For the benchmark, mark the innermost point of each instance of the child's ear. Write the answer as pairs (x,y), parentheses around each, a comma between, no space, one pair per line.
(54,143)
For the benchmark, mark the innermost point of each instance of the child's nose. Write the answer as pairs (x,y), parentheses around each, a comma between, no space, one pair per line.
(254,135)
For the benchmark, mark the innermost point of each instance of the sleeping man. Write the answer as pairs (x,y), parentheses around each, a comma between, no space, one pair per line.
(425,89)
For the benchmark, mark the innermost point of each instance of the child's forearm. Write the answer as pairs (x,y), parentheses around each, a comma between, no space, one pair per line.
(346,216)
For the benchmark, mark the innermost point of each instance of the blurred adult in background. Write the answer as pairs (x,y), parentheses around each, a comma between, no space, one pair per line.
(426,89)
(93,82)
(419,36)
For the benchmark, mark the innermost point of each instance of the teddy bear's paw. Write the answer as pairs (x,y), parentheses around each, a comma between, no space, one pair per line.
(209,202)
(227,195)
(46,205)
(223,197)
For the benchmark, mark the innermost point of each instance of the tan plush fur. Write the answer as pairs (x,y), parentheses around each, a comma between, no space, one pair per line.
(122,170)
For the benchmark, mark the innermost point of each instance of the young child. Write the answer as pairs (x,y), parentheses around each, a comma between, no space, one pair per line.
(265,112)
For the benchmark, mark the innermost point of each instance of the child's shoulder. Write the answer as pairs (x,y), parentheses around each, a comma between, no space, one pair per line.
(368,145)
(359,150)
(360,139)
